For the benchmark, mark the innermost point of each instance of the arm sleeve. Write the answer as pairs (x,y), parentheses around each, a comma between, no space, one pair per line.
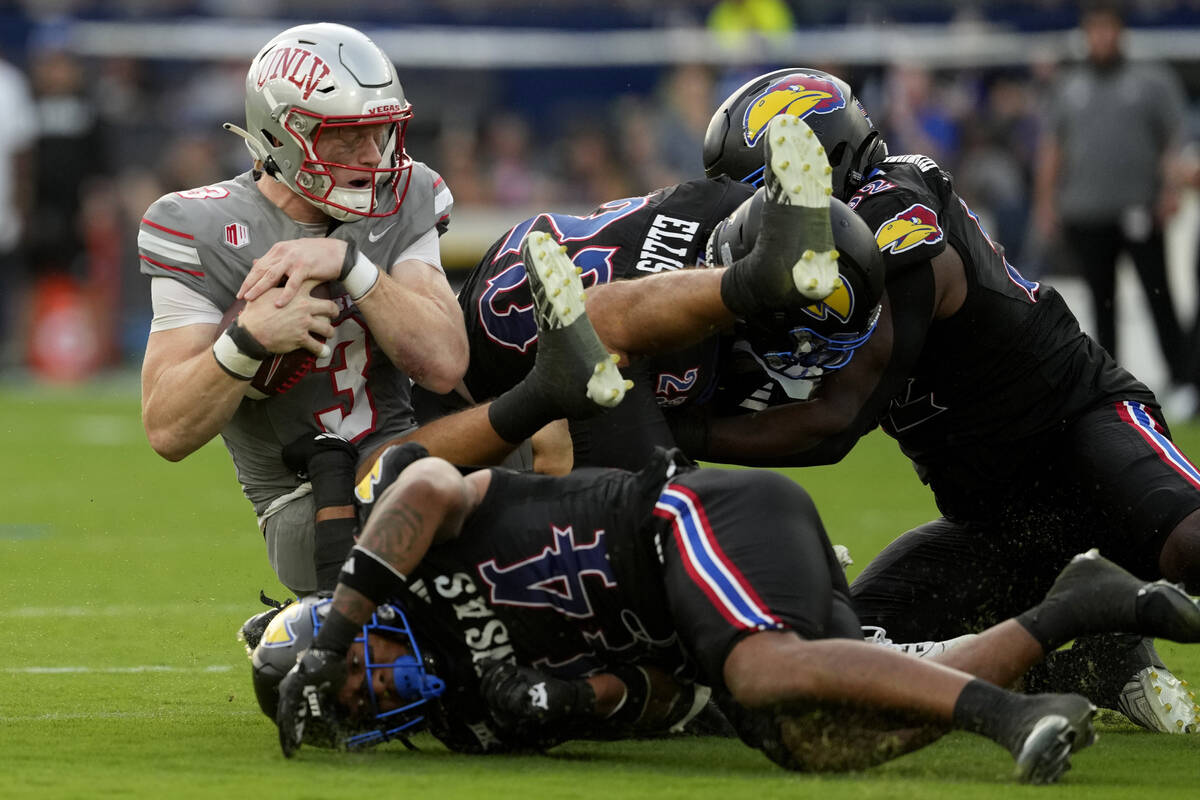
(176,305)
(424,249)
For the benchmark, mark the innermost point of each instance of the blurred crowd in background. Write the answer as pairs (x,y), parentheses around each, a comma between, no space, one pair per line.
(92,141)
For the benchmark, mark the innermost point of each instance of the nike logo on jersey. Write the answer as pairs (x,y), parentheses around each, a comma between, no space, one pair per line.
(375,236)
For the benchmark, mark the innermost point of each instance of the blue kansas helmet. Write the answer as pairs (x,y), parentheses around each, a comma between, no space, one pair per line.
(293,629)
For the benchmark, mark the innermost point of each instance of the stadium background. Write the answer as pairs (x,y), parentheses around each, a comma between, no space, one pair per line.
(521,105)
(123,577)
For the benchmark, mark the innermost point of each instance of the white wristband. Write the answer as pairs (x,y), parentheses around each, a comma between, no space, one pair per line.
(362,277)
(232,359)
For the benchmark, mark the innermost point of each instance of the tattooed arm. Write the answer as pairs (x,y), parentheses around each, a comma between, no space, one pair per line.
(427,504)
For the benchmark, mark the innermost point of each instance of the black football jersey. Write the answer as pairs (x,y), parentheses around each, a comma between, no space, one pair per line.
(665,230)
(1009,366)
(560,574)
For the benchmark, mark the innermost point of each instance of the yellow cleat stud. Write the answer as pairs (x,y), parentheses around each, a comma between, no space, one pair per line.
(1154,675)
(1158,690)
(613,357)
(629,385)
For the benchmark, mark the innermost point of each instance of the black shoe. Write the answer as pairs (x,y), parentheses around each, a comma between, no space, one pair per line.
(1101,597)
(1052,727)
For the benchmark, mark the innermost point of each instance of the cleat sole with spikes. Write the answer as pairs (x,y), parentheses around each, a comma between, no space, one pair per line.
(798,174)
(1157,700)
(558,300)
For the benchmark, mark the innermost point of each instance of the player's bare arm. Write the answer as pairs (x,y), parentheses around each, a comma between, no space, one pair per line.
(187,397)
(824,428)
(414,316)
(427,504)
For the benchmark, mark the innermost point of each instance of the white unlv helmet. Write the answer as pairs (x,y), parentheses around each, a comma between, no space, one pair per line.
(313,88)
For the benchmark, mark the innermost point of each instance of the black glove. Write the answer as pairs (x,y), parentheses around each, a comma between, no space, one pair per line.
(521,698)
(308,701)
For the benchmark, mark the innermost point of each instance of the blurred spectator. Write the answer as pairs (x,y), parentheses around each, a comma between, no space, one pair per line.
(591,171)
(919,116)
(994,168)
(514,177)
(18,125)
(458,161)
(733,20)
(69,151)
(1113,134)
(685,103)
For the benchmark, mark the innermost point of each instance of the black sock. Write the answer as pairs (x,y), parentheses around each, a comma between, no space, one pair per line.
(988,710)
(334,538)
(522,411)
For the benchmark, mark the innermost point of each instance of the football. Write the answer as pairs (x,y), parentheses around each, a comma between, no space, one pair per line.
(283,370)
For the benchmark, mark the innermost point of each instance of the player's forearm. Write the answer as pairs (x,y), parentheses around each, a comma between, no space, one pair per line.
(426,504)
(188,404)
(422,336)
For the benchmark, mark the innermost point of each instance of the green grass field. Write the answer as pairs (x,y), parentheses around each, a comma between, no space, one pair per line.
(124,578)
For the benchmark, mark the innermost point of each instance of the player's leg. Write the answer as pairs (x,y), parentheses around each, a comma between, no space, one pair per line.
(573,375)
(1146,492)
(752,600)
(786,258)
(793,262)
(944,578)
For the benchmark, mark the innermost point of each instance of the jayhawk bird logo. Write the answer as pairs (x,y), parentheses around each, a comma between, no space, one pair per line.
(912,227)
(798,94)
(839,305)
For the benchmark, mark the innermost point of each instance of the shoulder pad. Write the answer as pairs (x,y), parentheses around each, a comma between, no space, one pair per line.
(167,243)
(443,200)
(902,209)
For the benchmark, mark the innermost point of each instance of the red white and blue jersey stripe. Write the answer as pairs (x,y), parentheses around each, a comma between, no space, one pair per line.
(708,566)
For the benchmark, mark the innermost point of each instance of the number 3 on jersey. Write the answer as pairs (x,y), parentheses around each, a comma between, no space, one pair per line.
(353,416)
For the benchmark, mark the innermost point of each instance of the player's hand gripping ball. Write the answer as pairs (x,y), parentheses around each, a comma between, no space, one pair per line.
(281,371)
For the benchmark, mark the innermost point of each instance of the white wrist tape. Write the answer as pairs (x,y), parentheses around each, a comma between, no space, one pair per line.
(233,360)
(362,277)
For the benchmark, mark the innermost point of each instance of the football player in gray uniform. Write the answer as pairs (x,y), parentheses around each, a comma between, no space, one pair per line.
(333,200)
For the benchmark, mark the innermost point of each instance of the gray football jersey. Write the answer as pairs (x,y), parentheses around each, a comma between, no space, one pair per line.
(208,238)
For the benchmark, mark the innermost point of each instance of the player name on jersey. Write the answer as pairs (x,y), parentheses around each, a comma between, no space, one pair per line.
(666,244)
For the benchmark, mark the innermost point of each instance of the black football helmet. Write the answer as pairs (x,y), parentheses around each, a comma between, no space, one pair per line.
(733,142)
(821,337)
(293,629)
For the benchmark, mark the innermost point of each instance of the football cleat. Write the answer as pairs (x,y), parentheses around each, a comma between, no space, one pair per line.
(876,635)
(1058,725)
(1158,701)
(797,174)
(568,347)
